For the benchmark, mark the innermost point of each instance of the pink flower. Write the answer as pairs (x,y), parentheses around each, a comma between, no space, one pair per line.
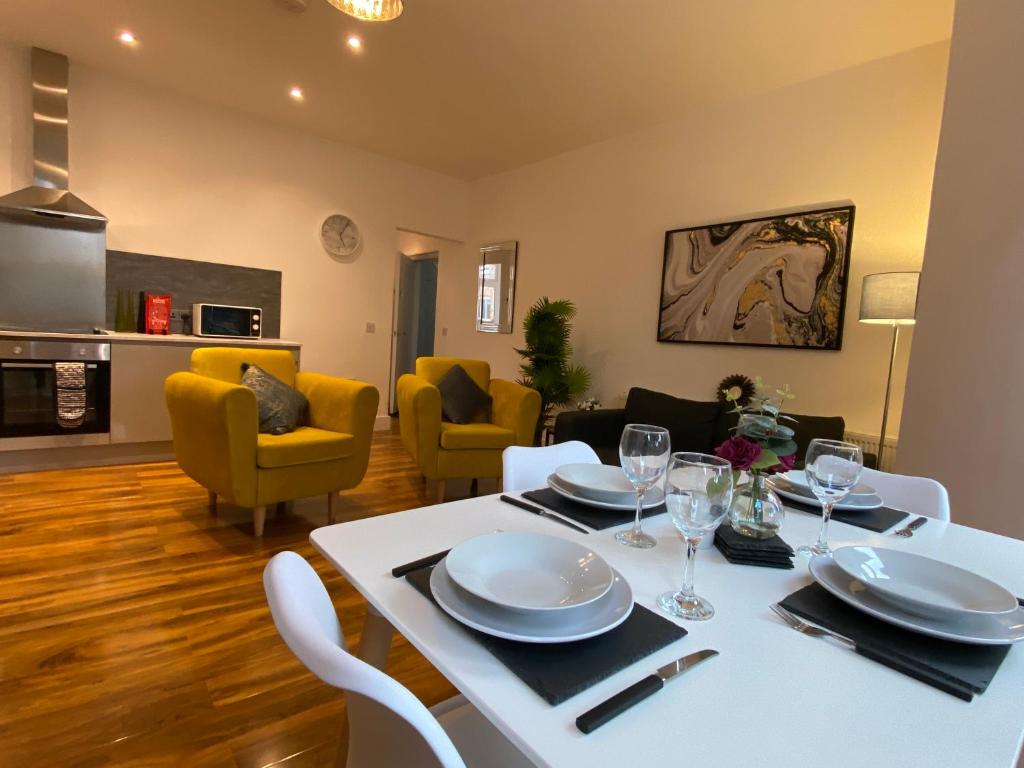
(785,463)
(739,451)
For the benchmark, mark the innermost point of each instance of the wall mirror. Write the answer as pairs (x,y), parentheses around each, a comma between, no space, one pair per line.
(496,287)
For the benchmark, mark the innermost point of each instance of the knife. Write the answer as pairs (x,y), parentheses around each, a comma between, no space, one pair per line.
(623,700)
(542,512)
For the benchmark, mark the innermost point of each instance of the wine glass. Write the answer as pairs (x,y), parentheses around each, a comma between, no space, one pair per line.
(698,493)
(643,452)
(832,468)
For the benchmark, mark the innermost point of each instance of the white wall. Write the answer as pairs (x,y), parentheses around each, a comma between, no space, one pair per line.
(965,410)
(179,178)
(591,224)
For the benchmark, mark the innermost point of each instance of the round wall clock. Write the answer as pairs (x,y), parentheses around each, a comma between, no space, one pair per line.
(340,235)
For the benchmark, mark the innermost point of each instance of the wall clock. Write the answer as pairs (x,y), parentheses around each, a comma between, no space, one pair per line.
(340,236)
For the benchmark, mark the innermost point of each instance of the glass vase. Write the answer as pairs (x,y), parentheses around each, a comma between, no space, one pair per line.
(756,509)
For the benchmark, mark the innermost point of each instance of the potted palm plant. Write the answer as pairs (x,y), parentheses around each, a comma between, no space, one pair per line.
(547,367)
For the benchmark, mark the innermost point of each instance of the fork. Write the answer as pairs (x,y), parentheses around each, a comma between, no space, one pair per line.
(908,530)
(795,622)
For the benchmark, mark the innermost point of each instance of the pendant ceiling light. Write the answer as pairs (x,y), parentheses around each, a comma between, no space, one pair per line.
(370,10)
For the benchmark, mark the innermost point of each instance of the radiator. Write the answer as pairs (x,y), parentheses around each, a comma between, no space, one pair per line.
(869,444)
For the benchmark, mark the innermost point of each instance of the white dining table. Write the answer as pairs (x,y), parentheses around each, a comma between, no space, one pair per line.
(773,697)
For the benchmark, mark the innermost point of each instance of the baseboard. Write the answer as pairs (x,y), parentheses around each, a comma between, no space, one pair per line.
(382,423)
(84,456)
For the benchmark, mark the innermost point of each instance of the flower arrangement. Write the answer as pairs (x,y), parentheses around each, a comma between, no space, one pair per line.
(760,445)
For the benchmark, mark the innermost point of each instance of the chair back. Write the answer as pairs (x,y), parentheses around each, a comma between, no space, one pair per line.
(225,363)
(388,725)
(434,368)
(525,469)
(916,495)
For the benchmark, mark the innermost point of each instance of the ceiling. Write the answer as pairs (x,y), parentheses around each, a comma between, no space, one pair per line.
(474,87)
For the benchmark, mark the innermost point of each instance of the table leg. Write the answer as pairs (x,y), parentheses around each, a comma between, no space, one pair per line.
(376,639)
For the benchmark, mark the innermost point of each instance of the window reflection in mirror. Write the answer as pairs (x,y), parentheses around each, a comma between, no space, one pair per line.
(496,287)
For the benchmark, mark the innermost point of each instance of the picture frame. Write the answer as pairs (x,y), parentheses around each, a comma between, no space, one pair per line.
(769,281)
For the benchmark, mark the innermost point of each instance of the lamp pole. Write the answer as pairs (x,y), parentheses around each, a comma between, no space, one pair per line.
(888,390)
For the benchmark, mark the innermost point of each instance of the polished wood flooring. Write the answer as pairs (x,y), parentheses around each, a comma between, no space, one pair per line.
(134,629)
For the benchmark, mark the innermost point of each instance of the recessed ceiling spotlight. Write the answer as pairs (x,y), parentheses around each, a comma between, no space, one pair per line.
(296,93)
(354,43)
(127,38)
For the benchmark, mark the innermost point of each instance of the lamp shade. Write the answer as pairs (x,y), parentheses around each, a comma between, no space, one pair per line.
(889,298)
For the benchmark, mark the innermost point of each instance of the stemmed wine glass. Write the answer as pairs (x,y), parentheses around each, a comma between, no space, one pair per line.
(698,493)
(832,468)
(643,452)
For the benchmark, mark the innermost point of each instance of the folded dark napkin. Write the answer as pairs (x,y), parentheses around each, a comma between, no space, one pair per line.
(598,519)
(960,669)
(743,550)
(558,671)
(877,520)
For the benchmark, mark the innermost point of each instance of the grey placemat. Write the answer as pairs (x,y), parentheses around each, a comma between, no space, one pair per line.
(598,519)
(558,671)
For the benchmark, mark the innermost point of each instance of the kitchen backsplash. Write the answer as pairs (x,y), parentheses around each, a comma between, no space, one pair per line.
(192,282)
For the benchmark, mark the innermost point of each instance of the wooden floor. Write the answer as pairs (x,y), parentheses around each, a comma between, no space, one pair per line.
(134,628)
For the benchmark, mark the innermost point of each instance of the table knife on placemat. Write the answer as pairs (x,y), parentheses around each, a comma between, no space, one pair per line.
(542,512)
(623,700)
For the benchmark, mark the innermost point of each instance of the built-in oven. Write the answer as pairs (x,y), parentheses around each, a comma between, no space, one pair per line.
(53,393)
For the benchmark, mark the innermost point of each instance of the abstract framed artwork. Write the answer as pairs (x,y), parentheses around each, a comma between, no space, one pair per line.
(775,281)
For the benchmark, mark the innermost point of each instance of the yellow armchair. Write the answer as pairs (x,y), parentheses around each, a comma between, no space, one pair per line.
(215,422)
(446,451)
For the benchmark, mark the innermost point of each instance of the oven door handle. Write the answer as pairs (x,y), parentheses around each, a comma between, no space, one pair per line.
(5,365)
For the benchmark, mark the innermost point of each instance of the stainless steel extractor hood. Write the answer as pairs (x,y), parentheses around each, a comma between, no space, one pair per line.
(49,195)
(53,246)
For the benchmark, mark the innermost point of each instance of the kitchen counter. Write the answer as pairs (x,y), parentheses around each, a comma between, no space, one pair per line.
(145,338)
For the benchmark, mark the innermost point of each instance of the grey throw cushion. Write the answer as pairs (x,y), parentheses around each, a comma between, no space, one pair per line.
(462,400)
(282,408)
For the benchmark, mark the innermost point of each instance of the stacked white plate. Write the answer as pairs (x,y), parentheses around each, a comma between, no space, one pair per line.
(921,594)
(793,485)
(601,486)
(531,587)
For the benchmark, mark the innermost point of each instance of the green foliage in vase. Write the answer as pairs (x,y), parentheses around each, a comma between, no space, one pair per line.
(759,421)
(547,368)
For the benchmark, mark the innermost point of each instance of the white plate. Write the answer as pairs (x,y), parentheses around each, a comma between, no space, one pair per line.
(849,504)
(652,498)
(999,629)
(798,478)
(600,482)
(529,571)
(535,627)
(923,586)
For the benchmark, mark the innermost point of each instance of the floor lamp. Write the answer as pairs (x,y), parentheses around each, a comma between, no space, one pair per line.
(889,298)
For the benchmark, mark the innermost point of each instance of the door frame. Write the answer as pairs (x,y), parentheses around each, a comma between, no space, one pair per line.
(396,287)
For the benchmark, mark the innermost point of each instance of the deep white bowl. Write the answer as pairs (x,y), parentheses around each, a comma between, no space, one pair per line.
(600,482)
(529,571)
(923,586)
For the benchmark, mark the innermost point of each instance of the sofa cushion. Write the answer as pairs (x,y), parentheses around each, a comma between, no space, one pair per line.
(462,400)
(281,407)
(305,445)
(461,437)
(690,423)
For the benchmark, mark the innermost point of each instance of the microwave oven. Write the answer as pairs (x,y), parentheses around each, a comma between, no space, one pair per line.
(227,321)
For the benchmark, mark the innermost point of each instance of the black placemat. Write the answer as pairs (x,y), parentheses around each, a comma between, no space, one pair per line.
(960,669)
(598,519)
(558,671)
(877,520)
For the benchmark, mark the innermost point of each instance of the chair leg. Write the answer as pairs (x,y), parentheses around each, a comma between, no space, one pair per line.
(213,502)
(259,516)
(440,491)
(333,503)
(474,487)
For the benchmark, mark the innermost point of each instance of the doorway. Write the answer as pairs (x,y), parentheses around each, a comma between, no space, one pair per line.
(415,315)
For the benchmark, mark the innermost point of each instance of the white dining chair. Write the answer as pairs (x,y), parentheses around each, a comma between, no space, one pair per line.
(526,468)
(916,495)
(387,724)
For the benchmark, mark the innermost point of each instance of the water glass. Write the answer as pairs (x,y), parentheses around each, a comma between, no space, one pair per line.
(643,451)
(698,494)
(833,468)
